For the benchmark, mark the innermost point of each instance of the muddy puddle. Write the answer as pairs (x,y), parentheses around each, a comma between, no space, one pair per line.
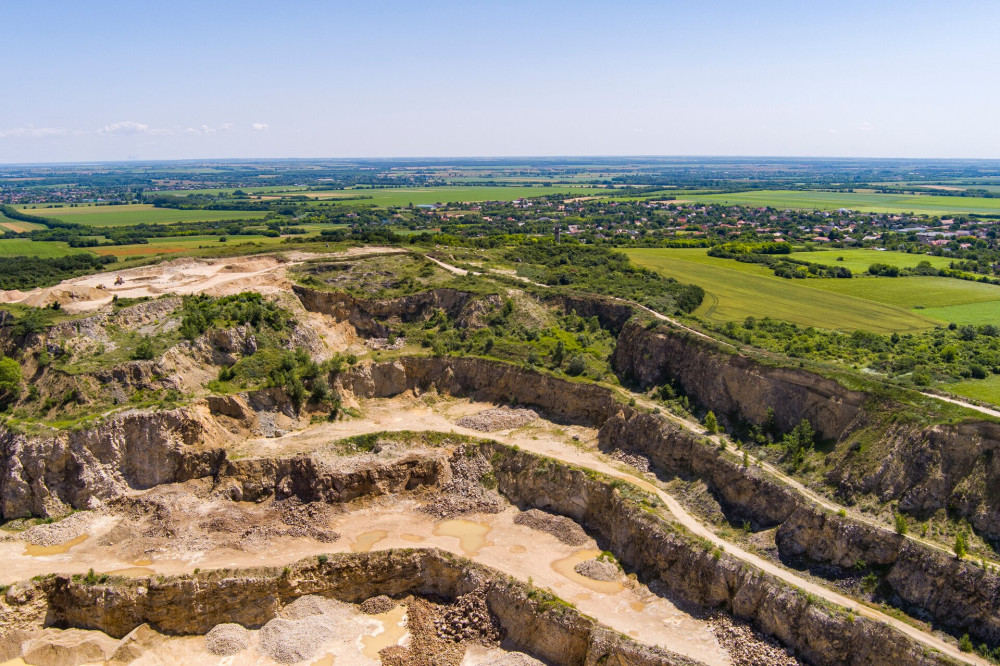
(33,550)
(366,540)
(567,567)
(393,631)
(470,534)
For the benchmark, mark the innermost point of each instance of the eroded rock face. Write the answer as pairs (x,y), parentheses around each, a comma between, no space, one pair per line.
(196,604)
(368,315)
(49,475)
(734,386)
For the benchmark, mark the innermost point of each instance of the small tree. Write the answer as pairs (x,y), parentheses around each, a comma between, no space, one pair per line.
(900,524)
(10,377)
(711,424)
(144,350)
(961,545)
(576,366)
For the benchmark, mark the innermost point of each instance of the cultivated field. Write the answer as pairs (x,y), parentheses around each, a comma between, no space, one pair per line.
(937,297)
(115,216)
(183,244)
(875,203)
(23,247)
(734,291)
(859,260)
(404,196)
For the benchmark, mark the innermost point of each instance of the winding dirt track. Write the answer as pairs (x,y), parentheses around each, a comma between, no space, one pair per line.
(594,461)
(696,527)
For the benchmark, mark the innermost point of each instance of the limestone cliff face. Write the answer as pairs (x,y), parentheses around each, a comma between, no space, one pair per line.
(368,315)
(735,387)
(958,595)
(311,480)
(194,604)
(610,313)
(925,469)
(658,550)
(744,493)
(484,380)
(47,475)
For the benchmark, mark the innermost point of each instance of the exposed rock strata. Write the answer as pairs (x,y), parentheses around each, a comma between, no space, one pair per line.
(196,604)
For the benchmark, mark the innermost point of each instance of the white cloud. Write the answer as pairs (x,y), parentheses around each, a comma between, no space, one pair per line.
(126,127)
(260,127)
(32,132)
(133,128)
(866,127)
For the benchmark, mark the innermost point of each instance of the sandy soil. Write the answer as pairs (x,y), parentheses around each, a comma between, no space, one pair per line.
(216,277)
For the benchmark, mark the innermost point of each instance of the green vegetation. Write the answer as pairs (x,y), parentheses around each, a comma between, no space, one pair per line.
(858,260)
(130,214)
(872,202)
(916,359)
(711,423)
(404,196)
(30,272)
(383,276)
(603,271)
(735,291)
(25,247)
(201,312)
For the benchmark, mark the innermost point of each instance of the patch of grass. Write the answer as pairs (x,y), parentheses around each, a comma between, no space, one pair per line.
(858,260)
(118,216)
(868,202)
(735,291)
(383,276)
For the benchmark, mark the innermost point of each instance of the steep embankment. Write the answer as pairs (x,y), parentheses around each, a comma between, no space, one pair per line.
(533,620)
(173,446)
(939,466)
(368,315)
(882,451)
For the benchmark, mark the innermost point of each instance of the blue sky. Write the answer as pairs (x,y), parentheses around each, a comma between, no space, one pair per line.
(111,80)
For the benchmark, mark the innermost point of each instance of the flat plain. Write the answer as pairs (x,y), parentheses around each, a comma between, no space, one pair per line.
(735,291)
(862,201)
(116,216)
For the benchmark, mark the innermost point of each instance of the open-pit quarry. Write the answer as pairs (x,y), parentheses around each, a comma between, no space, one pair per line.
(414,507)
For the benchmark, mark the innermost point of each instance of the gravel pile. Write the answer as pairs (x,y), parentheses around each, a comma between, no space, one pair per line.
(227,639)
(641,463)
(377,605)
(309,625)
(465,492)
(598,570)
(563,528)
(469,618)
(289,641)
(61,531)
(747,646)
(383,344)
(500,418)
(511,659)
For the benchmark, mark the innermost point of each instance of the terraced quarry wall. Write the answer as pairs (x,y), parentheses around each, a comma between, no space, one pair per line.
(194,604)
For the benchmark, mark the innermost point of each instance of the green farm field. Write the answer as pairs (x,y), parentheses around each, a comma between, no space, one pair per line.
(868,202)
(984,390)
(930,294)
(115,216)
(23,247)
(859,260)
(182,244)
(404,196)
(734,291)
